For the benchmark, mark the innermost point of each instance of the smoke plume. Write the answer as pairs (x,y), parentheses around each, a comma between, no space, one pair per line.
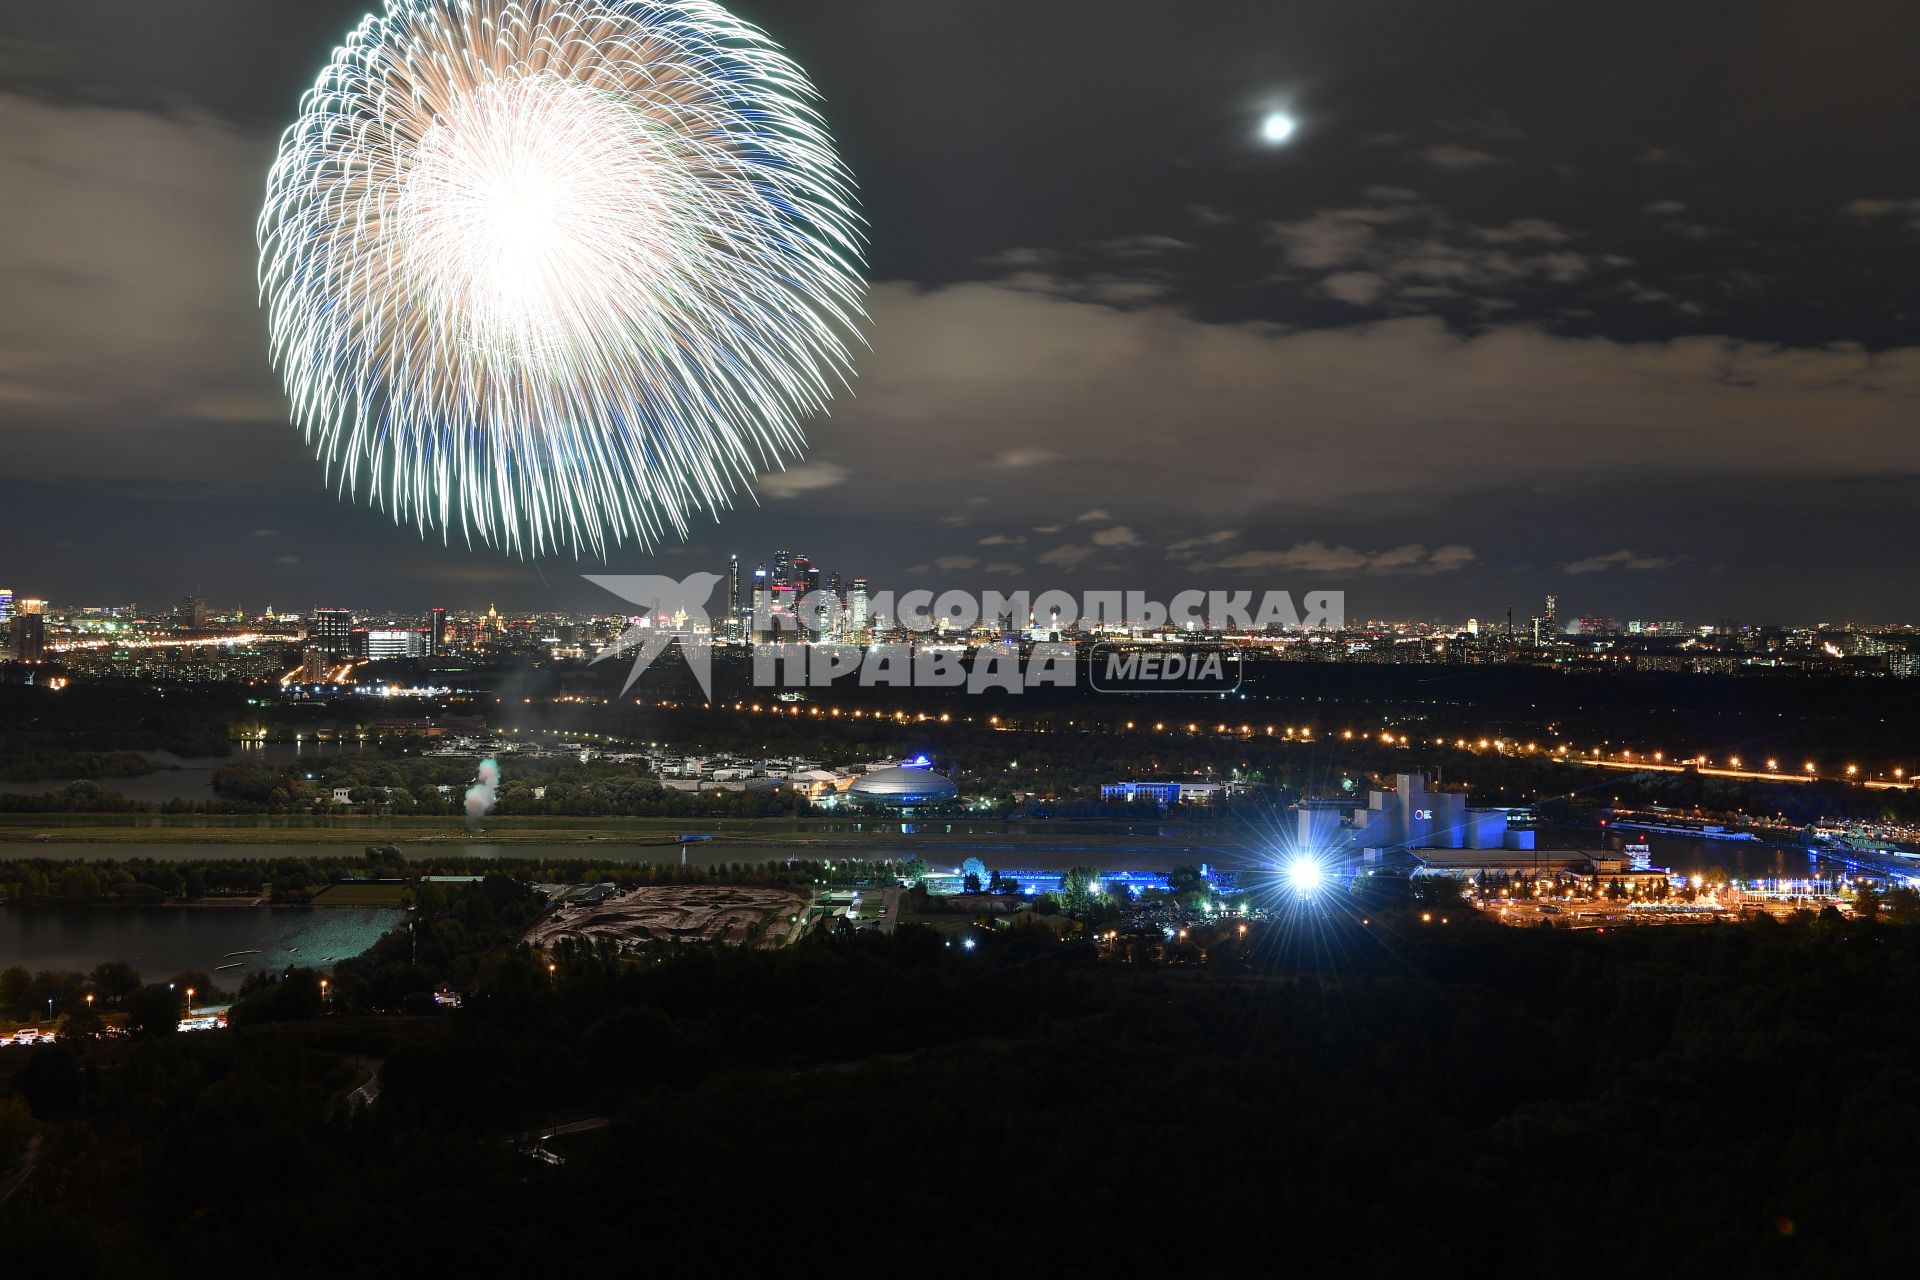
(485,791)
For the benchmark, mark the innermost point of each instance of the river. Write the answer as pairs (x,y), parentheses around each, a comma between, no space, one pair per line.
(162,941)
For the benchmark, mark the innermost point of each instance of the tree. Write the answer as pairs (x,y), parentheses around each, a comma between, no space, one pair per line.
(269,998)
(1866,902)
(115,979)
(1437,891)
(15,984)
(155,1010)
(914,870)
(16,1126)
(1189,888)
(83,1022)
(1080,890)
(1903,905)
(50,1082)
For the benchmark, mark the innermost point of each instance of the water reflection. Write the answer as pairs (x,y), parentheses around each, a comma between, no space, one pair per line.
(226,942)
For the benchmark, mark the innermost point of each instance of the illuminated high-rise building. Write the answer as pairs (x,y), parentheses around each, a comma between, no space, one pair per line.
(331,632)
(375,643)
(27,631)
(315,666)
(857,606)
(824,616)
(436,632)
(6,605)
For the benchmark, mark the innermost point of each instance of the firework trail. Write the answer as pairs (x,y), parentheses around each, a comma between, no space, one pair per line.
(559,273)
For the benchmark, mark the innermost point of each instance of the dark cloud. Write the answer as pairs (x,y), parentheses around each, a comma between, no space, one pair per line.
(1493,308)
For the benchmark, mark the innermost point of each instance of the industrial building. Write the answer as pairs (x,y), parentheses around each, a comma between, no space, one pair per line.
(1436,829)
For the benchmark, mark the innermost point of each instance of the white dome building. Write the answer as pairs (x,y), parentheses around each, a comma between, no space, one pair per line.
(905,785)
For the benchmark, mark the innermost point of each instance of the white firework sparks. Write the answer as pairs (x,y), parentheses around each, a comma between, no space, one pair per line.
(560,273)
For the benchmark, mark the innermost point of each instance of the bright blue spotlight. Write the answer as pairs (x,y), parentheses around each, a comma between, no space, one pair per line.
(1305,876)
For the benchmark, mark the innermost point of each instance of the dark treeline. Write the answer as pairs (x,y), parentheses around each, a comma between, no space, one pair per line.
(1386,1096)
(47,732)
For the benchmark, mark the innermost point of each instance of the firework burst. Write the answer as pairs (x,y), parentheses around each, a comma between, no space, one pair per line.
(559,273)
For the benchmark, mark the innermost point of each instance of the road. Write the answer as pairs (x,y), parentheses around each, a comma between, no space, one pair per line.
(369,1093)
(533,1137)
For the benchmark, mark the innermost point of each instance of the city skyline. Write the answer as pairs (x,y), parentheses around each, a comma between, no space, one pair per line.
(1549,610)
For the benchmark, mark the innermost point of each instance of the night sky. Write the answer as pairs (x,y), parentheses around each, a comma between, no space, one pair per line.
(1608,299)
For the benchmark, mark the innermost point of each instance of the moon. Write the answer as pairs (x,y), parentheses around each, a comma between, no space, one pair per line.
(1277,128)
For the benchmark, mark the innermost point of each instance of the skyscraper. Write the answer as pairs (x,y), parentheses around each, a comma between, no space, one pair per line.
(437,631)
(857,607)
(760,604)
(1552,617)
(6,605)
(376,643)
(331,632)
(27,632)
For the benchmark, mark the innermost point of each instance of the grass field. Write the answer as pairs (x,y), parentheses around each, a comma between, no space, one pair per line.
(196,828)
(359,895)
(19,833)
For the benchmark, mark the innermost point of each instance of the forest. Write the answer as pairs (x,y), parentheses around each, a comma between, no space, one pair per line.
(1333,1097)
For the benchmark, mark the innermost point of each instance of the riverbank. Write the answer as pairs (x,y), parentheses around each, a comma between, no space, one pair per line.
(158,942)
(19,835)
(225,903)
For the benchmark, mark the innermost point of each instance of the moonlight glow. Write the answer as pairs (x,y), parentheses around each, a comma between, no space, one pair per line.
(1277,128)
(560,273)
